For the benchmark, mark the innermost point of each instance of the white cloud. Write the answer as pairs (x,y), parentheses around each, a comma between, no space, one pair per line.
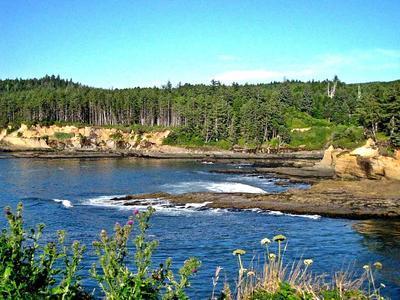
(351,65)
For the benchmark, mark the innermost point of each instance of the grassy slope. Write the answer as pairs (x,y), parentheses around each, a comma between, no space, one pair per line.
(322,133)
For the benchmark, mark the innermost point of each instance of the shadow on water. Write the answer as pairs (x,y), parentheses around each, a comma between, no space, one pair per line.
(383,238)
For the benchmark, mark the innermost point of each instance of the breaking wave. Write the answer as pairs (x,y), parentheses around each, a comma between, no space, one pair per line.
(160,205)
(65,203)
(218,187)
(165,206)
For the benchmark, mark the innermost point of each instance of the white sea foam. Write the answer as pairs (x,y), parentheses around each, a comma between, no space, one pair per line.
(261,181)
(240,164)
(105,201)
(279,213)
(165,206)
(160,205)
(65,203)
(197,205)
(233,187)
(218,187)
(256,210)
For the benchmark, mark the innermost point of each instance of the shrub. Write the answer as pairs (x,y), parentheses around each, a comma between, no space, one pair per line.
(315,138)
(30,270)
(183,136)
(63,135)
(222,144)
(319,137)
(347,137)
(276,281)
(296,119)
(12,127)
(117,136)
(118,281)
(140,129)
(285,292)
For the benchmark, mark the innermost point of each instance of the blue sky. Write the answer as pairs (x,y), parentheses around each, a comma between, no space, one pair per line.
(145,42)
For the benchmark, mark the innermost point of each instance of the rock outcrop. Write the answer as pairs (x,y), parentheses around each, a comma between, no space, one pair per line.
(79,138)
(363,162)
(364,199)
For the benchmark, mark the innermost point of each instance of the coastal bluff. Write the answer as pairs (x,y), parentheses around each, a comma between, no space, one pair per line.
(365,162)
(72,138)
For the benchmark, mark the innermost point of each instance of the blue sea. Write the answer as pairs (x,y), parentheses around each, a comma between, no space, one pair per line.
(74,194)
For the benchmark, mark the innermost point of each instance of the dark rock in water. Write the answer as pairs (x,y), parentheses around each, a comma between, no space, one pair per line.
(234,171)
(308,175)
(132,203)
(312,172)
(283,183)
(141,196)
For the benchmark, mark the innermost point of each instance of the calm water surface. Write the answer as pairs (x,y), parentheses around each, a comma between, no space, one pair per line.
(210,235)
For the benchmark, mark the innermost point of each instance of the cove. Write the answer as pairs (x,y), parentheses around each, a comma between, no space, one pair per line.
(74,195)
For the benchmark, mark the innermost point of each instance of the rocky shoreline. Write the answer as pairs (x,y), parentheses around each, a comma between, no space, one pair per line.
(361,184)
(279,159)
(363,199)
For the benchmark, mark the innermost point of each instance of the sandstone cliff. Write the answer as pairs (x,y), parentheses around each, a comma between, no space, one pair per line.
(363,162)
(79,138)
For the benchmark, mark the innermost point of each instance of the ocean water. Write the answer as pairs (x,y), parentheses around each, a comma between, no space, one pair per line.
(75,195)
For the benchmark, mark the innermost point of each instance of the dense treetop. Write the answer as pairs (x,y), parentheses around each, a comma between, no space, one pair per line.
(237,113)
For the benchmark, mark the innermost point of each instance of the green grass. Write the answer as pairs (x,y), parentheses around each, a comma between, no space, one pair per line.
(117,136)
(341,136)
(297,119)
(381,137)
(347,137)
(322,133)
(314,139)
(183,137)
(63,123)
(317,138)
(63,135)
(147,129)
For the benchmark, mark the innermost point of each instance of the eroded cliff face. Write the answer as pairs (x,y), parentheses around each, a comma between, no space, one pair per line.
(79,138)
(363,162)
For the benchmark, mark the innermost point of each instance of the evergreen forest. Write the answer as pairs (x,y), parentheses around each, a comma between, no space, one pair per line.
(249,114)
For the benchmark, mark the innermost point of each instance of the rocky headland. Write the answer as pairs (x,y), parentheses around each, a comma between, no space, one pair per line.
(333,198)
(358,184)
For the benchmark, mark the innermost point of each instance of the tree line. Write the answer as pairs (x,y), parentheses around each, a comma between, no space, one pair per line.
(252,113)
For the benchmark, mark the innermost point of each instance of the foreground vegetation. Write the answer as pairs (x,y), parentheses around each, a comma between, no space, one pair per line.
(262,115)
(275,280)
(31,269)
